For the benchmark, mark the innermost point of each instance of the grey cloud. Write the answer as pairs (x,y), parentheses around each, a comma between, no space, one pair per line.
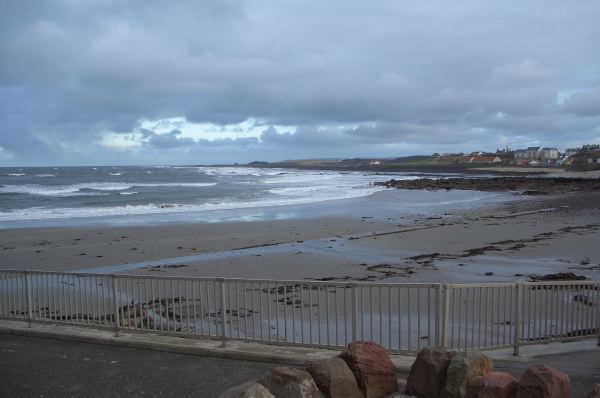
(414,74)
(585,103)
(173,139)
(168,140)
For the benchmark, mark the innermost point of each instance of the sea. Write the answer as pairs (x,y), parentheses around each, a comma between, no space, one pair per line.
(140,195)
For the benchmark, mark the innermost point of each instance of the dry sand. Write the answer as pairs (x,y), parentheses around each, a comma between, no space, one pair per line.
(506,243)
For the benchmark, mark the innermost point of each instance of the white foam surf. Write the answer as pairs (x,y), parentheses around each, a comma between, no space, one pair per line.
(84,189)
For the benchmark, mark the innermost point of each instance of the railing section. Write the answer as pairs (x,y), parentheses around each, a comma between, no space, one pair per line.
(493,315)
(480,316)
(560,310)
(400,317)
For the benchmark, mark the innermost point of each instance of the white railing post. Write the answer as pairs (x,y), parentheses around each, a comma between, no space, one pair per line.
(438,315)
(446,316)
(354,310)
(29,298)
(518,310)
(597,288)
(116,318)
(223,319)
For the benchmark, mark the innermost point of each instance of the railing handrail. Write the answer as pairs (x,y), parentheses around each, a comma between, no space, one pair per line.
(348,283)
(339,283)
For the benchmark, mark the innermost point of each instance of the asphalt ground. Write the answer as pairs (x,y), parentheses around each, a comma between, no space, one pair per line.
(39,367)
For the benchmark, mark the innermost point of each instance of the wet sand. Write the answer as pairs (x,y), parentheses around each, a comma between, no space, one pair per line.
(495,243)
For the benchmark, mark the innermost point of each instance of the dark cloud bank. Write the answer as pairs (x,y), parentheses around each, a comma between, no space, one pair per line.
(344,79)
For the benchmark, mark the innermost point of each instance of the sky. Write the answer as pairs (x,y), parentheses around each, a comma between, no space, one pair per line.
(124,82)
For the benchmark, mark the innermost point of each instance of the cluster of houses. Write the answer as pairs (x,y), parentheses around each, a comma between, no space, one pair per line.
(585,158)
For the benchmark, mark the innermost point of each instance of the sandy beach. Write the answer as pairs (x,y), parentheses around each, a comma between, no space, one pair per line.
(500,242)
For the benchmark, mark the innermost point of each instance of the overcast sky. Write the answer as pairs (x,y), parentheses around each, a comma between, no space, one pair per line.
(187,82)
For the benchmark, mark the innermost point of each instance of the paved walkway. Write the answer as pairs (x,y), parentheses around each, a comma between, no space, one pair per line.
(579,359)
(39,367)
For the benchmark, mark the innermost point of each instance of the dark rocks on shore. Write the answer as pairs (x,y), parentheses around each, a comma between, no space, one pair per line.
(560,276)
(523,185)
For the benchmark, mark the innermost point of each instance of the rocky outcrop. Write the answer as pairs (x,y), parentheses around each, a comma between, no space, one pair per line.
(543,381)
(428,372)
(250,389)
(290,383)
(372,367)
(334,378)
(497,385)
(464,375)
(523,185)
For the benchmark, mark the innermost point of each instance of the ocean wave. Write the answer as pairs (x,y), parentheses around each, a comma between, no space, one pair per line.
(238,171)
(38,213)
(15,174)
(300,178)
(45,175)
(39,190)
(302,190)
(84,189)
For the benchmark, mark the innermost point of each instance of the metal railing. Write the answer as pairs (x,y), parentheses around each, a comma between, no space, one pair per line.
(401,317)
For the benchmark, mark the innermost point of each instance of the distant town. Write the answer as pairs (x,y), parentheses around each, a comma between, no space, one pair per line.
(584,158)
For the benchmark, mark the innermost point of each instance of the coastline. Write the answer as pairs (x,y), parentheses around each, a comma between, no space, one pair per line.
(497,241)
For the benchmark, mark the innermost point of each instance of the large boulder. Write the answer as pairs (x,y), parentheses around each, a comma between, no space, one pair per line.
(464,374)
(497,385)
(334,378)
(594,392)
(372,368)
(428,372)
(543,381)
(290,383)
(250,389)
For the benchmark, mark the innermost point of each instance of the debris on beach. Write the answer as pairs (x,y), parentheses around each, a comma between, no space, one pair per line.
(560,276)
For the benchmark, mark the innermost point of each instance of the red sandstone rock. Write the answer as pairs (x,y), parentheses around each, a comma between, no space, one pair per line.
(334,378)
(497,385)
(428,372)
(372,367)
(541,381)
